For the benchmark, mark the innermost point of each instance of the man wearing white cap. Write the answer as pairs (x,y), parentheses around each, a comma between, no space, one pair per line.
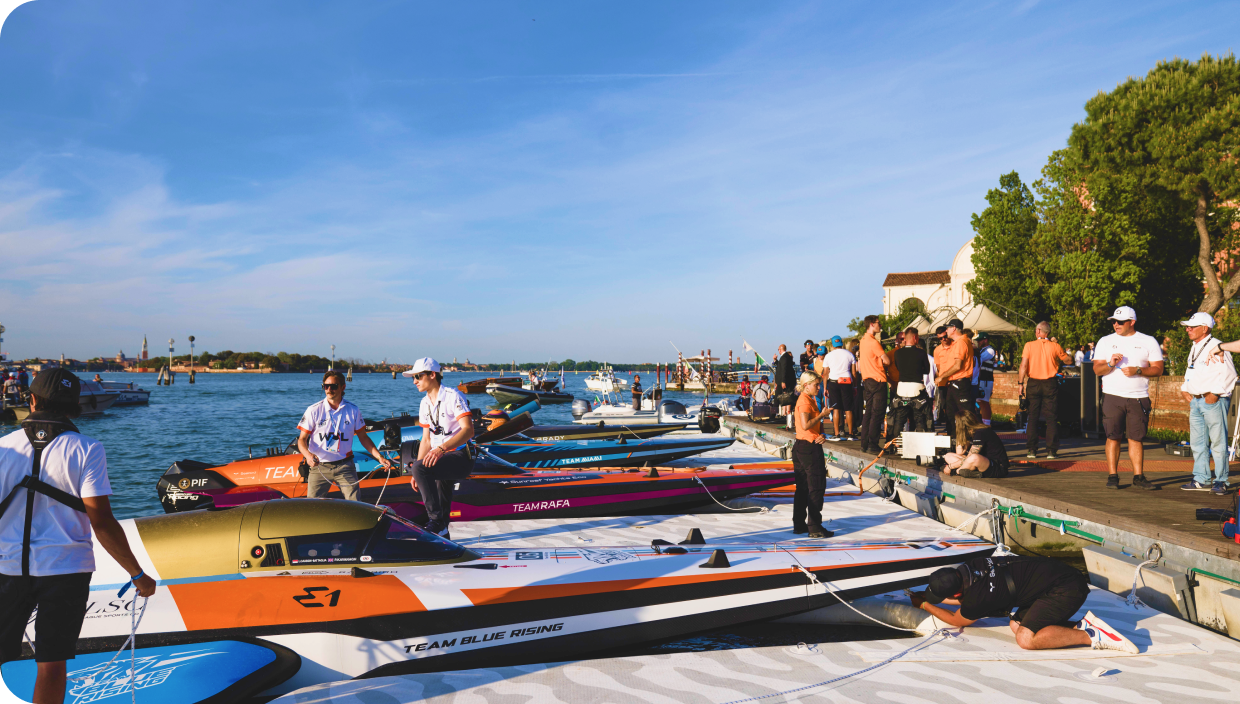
(443,453)
(1208,381)
(1126,360)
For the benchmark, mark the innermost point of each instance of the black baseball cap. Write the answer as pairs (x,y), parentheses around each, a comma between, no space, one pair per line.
(57,384)
(955,323)
(944,584)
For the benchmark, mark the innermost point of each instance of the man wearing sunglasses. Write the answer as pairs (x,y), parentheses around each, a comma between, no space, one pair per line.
(443,453)
(1126,360)
(326,441)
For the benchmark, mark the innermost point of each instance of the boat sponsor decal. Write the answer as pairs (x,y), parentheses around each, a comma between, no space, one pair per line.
(606,557)
(542,480)
(575,460)
(272,601)
(443,643)
(540,506)
(188,483)
(281,473)
(528,556)
(108,680)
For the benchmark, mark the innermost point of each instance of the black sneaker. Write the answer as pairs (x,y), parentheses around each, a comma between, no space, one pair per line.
(819,532)
(1113,481)
(1140,481)
(799,530)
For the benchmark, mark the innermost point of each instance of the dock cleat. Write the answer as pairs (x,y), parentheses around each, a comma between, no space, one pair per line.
(1103,637)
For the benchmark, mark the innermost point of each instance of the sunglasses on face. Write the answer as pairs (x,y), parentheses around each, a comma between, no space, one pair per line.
(423,375)
(330,387)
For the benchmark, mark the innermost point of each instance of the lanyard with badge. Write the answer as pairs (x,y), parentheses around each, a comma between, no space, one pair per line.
(1192,362)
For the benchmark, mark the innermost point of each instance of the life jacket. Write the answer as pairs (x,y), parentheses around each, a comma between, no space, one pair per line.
(41,430)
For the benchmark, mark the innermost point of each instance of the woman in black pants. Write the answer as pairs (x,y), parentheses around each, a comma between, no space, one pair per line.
(808,463)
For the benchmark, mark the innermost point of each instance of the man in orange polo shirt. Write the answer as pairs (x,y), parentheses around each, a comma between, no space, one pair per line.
(1039,365)
(955,380)
(873,365)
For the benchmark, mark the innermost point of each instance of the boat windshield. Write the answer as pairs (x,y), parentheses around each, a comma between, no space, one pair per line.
(397,540)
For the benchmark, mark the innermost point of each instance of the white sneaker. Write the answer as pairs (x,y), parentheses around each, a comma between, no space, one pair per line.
(1103,637)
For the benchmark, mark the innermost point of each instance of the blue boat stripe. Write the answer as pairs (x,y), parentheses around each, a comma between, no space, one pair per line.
(181,580)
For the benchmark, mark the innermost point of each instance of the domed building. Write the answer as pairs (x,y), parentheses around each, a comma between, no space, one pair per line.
(942,295)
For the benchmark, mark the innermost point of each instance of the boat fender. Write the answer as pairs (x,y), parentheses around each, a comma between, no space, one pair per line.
(718,560)
(694,538)
(408,453)
(359,573)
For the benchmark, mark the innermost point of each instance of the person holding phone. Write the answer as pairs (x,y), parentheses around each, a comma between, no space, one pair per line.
(808,463)
(1126,360)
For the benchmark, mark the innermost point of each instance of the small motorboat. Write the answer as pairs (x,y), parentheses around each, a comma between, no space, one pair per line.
(94,399)
(667,412)
(130,394)
(540,433)
(352,590)
(513,397)
(479,386)
(496,490)
(606,381)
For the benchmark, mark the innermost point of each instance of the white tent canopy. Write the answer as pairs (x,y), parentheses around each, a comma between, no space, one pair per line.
(975,317)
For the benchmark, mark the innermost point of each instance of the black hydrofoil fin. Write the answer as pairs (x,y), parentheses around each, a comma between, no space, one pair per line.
(516,425)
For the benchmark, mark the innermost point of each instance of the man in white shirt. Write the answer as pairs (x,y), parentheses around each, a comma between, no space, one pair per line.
(1208,382)
(443,453)
(838,365)
(326,441)
(54,488)
(1126,360)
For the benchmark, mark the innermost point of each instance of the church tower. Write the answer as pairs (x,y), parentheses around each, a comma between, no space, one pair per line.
(145,354)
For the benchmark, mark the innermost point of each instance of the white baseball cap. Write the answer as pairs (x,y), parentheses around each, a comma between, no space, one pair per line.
(1123,313)
(426,364)
(1199,319)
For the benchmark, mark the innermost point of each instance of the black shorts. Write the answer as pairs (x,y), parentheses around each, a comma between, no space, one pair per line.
(1056,606)
(1125,416)
(839,396)
(61,600)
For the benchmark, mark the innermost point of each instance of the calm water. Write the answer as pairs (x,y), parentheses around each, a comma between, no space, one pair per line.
(216,420)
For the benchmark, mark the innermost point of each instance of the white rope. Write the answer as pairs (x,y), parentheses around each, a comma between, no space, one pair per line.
(760,509)
(1133,600)
(131,643)
(973,520)
(936,635)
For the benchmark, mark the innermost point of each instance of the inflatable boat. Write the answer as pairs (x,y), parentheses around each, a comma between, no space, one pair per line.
(321,591)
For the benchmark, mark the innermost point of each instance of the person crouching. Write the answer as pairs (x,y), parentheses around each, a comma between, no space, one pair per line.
(808,463)
(443,454)
(979,451)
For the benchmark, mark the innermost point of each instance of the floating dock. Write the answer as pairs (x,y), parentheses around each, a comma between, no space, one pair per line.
(980,664)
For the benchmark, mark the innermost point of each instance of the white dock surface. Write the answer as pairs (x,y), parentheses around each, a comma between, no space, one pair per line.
(1179,662)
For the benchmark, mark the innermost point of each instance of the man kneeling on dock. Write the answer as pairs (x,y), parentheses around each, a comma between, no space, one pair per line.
(1045,592)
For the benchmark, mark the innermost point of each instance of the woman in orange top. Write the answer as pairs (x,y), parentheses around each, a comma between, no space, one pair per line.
(808,463)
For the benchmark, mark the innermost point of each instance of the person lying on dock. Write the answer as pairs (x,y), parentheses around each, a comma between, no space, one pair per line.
(1046,593)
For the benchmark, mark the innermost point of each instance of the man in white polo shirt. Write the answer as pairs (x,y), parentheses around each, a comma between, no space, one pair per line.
(53,491)
(1126,360)
(443,454)
(326,441)
(1208,382)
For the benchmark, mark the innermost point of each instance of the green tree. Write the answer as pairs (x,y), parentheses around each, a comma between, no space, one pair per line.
(271,362)
(1176,132)
(1009,277)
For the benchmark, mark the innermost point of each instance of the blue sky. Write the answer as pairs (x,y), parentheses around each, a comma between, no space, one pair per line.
(520,180)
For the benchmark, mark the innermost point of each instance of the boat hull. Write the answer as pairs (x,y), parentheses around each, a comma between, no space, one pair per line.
(516,396)
(365,617)
(479,386)
(603,453)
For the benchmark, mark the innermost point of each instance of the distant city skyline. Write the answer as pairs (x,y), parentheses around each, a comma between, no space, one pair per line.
(520,180)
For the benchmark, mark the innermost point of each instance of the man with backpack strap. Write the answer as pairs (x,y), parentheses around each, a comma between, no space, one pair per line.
(53,490)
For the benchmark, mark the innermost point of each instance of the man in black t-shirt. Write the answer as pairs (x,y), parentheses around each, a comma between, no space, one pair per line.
(911,401)
(807,357)
(1045,592)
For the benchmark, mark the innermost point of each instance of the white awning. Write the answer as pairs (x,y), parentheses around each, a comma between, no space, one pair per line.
(977,317)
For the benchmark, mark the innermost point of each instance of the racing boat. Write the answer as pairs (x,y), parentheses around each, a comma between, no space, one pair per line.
(496,490)
(355,591)
(514,396)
